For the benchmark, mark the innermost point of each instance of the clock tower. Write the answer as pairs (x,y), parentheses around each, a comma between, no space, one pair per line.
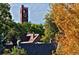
(23,14)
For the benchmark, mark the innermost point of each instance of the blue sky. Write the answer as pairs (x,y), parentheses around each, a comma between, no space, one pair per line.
(36,11)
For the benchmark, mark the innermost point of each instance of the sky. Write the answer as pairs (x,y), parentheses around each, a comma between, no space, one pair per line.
(36,13)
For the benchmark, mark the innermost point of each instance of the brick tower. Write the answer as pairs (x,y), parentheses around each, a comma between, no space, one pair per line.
(23,14)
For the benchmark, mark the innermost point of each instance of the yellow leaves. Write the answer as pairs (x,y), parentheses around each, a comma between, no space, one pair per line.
(66,17)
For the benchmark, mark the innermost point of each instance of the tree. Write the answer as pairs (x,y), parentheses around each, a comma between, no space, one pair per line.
(37,29)
(33,28)
(66,17)
(50,29)
(9,30)
(26,26)
(5,19)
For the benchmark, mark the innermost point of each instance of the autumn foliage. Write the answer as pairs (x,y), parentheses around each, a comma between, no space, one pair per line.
(66,17)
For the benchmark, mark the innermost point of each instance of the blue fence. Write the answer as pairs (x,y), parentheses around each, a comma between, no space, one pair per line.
(39,49)
(1,50)
(35,49)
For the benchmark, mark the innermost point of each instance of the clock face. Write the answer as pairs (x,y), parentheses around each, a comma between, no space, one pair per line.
(24,14)
(24,11)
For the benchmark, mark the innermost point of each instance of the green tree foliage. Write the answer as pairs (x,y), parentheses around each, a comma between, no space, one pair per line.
(9,30)
(5,17)
(5,20)
(50,29)
(37,28)
(33,28)
(26,26)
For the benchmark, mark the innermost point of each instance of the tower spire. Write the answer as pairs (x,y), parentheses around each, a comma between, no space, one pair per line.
(23,14)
